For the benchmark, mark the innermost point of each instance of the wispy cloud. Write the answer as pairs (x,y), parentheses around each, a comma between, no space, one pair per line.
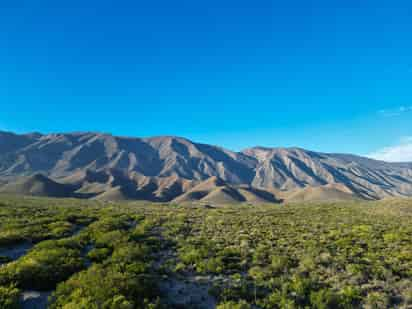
(402,152)
(395,111)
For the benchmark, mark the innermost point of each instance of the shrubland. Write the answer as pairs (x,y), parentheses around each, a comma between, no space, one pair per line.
(133,255)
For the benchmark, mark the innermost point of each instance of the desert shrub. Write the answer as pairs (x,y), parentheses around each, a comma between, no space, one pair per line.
(104,287)
(9,297)
(42,269)
(99,254)
(109,239)
(324,299)
(281,264)
(376,300)
(277,299)
(234,305)
(350,297)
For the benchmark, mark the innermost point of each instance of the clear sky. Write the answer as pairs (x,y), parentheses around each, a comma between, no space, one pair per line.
(325,75)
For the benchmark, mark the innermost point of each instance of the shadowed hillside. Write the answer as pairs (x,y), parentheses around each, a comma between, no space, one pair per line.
(38,185)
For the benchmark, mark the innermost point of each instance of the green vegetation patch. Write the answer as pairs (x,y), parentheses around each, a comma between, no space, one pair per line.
(136,255)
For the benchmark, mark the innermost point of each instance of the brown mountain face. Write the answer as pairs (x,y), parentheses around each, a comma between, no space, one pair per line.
(290,169)
(165,169)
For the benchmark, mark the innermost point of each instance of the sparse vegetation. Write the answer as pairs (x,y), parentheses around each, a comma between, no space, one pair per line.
(136,255)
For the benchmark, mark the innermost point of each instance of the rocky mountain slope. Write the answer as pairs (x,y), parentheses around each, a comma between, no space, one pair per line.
(102,166)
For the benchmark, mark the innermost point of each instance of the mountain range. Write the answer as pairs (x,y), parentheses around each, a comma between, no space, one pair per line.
(173,169)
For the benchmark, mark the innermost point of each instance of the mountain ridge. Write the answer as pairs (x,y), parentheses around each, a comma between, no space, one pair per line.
(166,167)
(98,133)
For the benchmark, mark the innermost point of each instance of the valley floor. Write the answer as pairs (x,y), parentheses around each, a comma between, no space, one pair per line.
(68,253)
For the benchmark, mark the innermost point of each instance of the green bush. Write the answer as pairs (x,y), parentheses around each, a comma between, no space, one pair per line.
(9,297)
(42,269)
(99,254)
(104,287)
(234,305)
(324,299)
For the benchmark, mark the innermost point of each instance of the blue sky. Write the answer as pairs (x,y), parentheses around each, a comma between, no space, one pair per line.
(314,74)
